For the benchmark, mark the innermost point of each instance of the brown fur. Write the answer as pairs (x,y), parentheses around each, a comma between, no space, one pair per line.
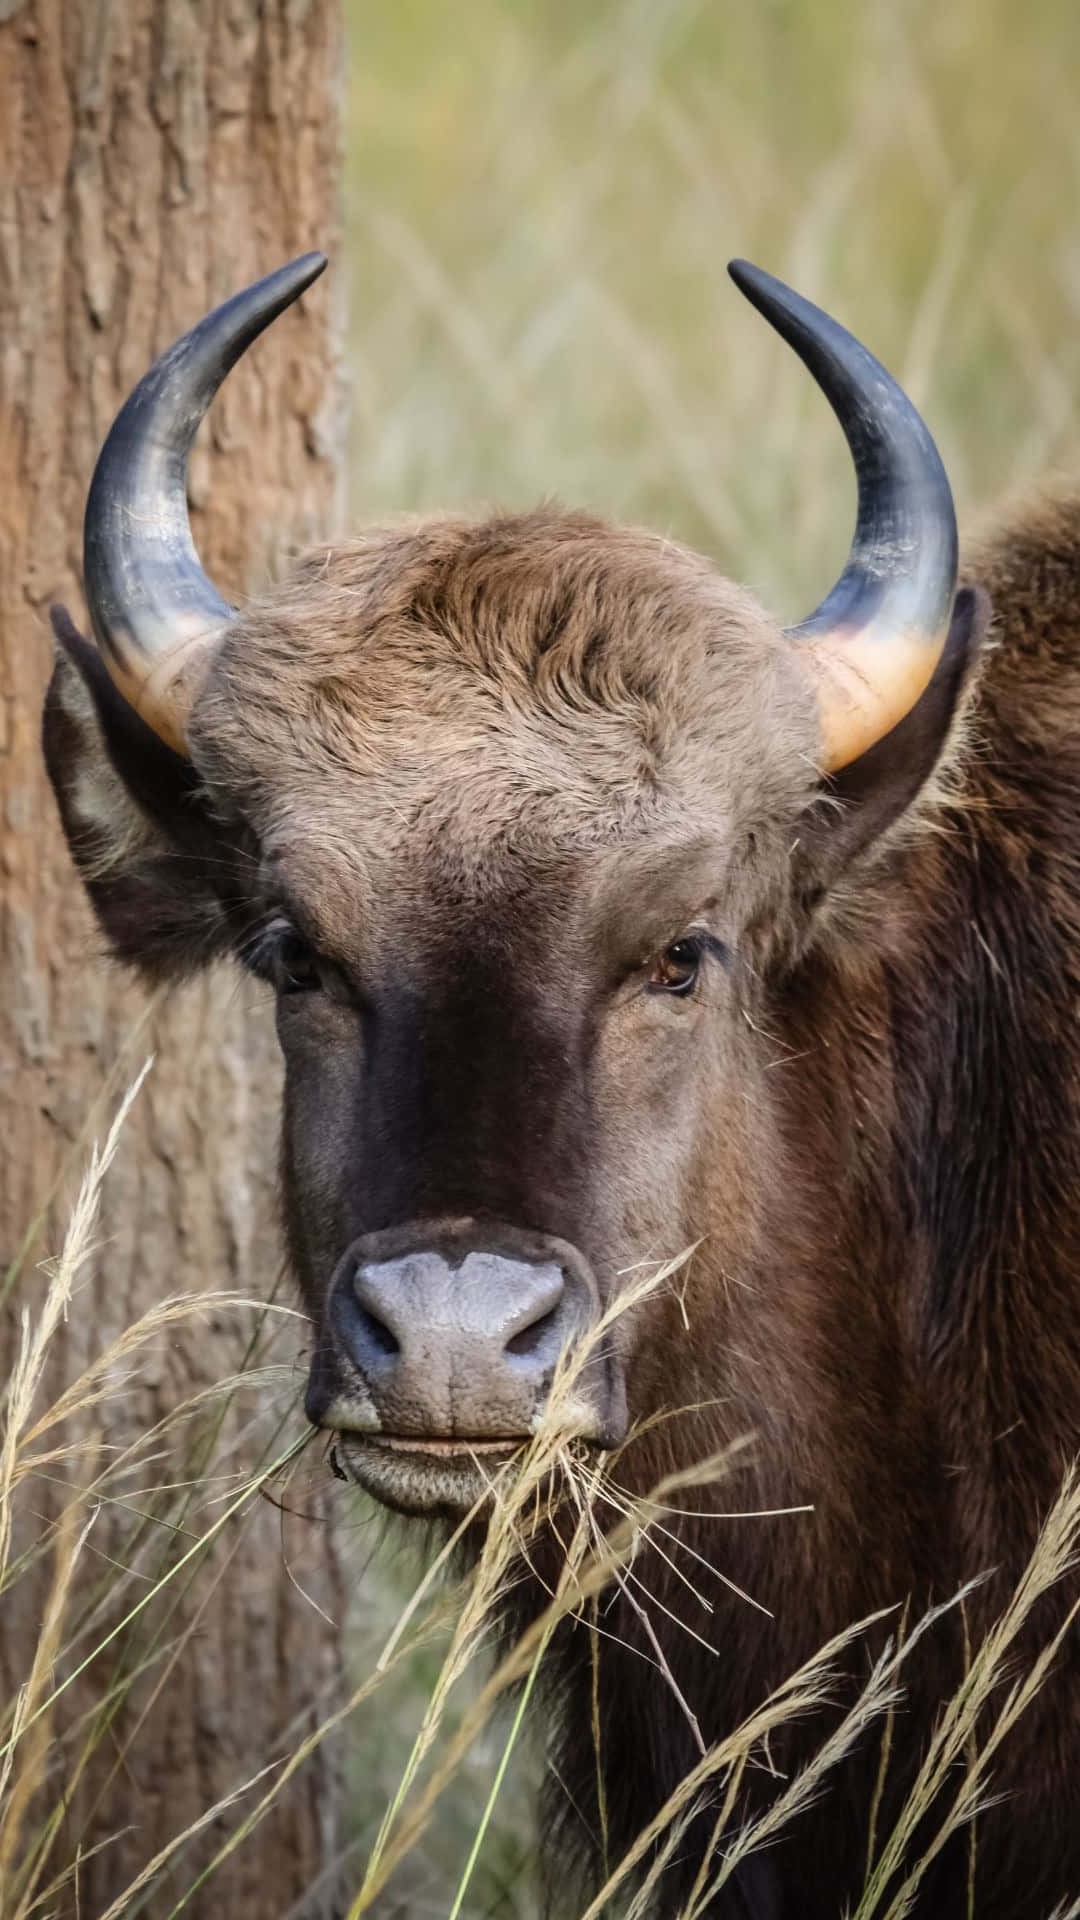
(489,771)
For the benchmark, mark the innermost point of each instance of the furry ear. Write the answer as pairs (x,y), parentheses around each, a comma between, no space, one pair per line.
(859,803)
(160,875)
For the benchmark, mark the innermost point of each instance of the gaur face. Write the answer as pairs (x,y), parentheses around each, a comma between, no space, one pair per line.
(513,833)
(522,822)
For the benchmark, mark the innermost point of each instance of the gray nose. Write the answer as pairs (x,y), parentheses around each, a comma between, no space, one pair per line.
(456,1340)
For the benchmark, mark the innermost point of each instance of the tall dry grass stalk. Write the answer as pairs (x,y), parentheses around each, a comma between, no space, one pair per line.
(963,1747)
(58,1443)
(551,1490)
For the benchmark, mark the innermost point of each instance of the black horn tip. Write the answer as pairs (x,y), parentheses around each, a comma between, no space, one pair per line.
(798,321)
(230,328)
(266,298)
(742,272)
(760,287)
(300,273)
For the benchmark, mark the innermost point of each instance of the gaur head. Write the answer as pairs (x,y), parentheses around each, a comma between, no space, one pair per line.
(522,821)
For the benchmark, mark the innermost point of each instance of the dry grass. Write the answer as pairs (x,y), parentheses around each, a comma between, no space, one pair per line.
(59,1445)
(951,1784)
(548,1483)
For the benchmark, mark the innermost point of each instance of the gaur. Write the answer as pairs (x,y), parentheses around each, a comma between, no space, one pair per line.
(606,919)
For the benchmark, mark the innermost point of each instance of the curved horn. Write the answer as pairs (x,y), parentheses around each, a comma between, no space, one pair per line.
(880,632)
(153,609)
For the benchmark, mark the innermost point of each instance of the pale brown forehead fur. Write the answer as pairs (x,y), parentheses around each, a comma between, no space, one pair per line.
(538,681)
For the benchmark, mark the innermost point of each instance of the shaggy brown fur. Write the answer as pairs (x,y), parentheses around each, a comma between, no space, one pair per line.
(488,772)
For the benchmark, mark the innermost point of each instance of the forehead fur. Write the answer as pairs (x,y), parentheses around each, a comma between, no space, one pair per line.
(542,677)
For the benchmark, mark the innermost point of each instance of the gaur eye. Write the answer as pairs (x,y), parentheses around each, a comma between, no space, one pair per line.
(676,969)
(281,956)
(296,968)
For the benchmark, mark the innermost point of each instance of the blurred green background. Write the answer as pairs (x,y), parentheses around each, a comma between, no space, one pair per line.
(541,200)
(542,197)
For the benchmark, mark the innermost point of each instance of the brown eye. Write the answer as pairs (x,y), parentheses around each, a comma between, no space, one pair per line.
(676,969)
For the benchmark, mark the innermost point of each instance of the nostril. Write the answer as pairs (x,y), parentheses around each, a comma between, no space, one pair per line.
(531,1338)
(370,1317)
(378,1333)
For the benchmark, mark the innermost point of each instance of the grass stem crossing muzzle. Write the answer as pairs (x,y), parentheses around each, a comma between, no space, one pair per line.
(444,1336)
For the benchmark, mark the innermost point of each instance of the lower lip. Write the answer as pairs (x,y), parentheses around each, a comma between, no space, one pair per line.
(424,1476)
(464,1450)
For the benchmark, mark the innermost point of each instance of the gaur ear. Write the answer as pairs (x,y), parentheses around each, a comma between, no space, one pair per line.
(154,862)
(861,801)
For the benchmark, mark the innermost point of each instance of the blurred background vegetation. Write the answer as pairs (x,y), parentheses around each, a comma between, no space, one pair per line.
(542,196)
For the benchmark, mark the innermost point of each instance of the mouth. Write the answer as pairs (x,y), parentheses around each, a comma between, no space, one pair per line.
(414,1476)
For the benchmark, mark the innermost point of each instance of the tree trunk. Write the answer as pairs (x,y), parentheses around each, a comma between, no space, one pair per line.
(155,155)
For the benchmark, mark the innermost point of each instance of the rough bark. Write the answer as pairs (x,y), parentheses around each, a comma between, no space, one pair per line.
(155,155)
